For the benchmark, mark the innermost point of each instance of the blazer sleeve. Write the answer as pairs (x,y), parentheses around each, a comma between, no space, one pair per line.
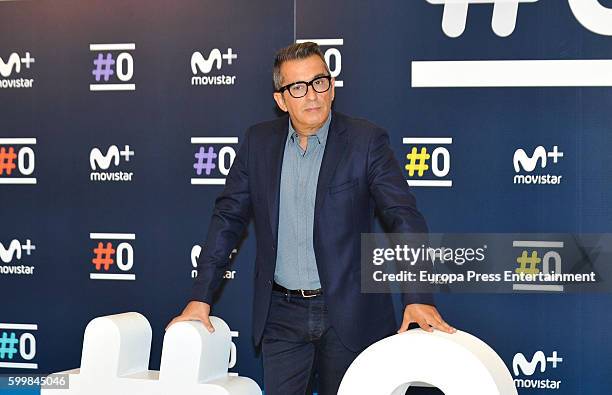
(395,203)
(228,223)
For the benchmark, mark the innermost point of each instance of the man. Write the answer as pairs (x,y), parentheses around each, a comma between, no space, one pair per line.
(311,181)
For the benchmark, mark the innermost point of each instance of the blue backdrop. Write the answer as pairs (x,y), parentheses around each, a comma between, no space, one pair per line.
(83,93)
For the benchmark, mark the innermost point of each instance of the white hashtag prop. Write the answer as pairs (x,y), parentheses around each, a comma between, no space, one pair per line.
(115,360)
(457,364)
(503,22)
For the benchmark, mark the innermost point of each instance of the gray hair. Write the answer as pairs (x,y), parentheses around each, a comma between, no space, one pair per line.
(294,52)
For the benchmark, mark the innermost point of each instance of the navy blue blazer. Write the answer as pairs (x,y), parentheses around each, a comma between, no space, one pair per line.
(358,174)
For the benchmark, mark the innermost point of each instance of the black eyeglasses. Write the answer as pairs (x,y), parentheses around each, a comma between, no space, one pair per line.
(300,88)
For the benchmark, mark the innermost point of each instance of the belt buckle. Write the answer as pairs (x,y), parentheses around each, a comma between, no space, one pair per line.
(306,296)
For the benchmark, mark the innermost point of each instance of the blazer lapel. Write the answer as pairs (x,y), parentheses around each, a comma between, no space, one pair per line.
(277,149)
(334,149)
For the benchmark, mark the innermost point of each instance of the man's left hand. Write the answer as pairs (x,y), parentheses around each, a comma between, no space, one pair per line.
(426,316)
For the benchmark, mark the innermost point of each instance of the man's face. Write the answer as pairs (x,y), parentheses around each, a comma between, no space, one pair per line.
(310,112)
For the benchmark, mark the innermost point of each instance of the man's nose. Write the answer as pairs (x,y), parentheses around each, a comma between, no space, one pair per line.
(311,95)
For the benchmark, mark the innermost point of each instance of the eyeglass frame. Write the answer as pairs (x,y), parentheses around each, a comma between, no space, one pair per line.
(308,84)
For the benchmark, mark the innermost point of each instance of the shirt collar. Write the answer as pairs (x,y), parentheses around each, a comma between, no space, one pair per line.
(320,135)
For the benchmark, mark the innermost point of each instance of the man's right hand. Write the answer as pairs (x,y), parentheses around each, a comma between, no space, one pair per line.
(195,311)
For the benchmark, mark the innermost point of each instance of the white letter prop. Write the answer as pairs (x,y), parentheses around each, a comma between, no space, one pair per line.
(457,364)
(115,360)
(593,15)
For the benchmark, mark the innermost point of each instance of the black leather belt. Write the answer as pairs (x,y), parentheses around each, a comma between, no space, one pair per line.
(304,293)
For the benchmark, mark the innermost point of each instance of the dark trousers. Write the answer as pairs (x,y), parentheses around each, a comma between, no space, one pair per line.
(299,345)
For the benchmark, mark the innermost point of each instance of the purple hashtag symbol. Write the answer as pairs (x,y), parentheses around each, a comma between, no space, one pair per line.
(200,164)
(103,67)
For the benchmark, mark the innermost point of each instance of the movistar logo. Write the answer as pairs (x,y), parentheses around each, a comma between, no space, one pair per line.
(14,250)
(14,64)
(529,163)
(103,161)
(539,359)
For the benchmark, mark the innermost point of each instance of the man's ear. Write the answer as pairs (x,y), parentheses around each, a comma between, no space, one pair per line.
(280,101)
(333,88)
